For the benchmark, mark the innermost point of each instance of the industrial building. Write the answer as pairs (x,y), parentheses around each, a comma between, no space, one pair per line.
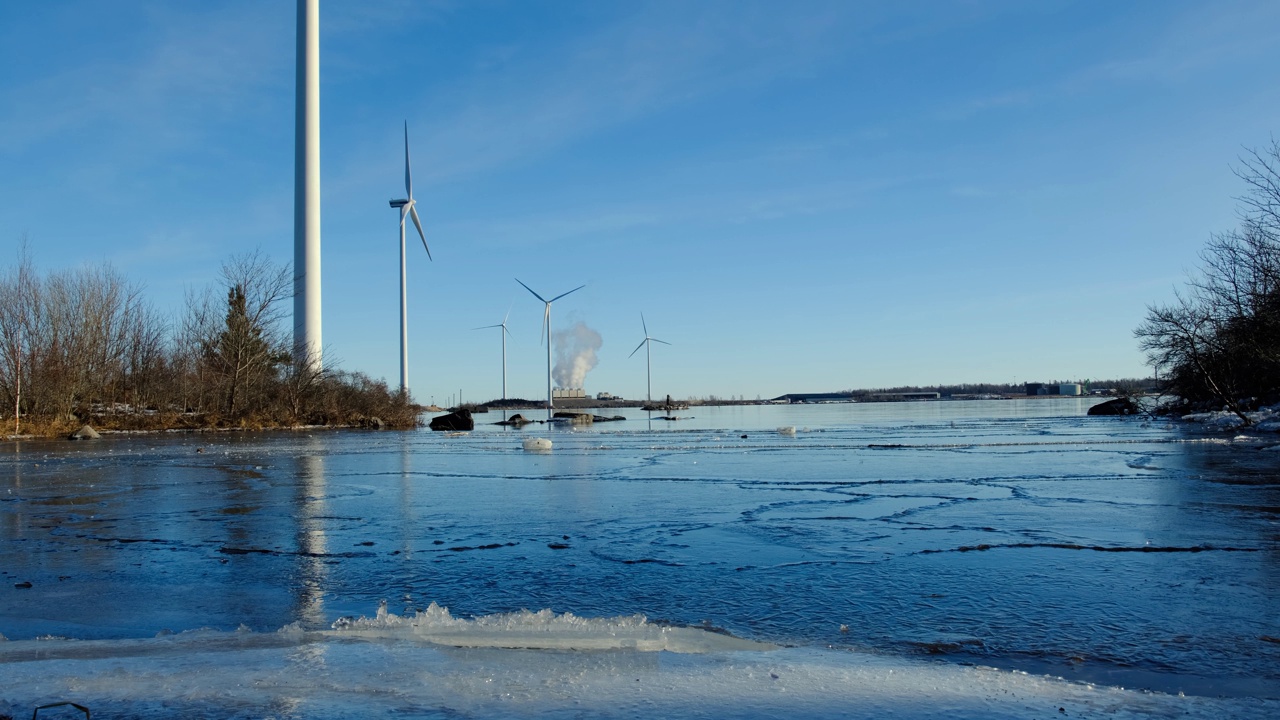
(1054,389)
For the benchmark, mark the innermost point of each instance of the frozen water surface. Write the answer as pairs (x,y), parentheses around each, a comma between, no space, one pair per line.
(945,559)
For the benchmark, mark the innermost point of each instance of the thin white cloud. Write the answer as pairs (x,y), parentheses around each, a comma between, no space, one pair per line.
(190,68)
(1203,37)
(609,222)
(644,63)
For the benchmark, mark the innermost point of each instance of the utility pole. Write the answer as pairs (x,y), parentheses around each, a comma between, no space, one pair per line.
(17,384)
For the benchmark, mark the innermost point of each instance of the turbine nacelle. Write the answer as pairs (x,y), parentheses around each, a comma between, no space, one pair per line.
(646,339)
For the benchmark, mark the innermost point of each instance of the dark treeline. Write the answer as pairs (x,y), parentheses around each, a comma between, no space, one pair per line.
(1122,386)
(84,346)
(1218,343)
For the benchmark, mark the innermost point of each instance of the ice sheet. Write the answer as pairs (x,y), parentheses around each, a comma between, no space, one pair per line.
(1106,550)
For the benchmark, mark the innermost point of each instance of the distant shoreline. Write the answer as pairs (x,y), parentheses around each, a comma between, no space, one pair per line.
(481,409)
(591,403)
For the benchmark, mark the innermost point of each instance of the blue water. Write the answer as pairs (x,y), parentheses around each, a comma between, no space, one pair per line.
(1018,534)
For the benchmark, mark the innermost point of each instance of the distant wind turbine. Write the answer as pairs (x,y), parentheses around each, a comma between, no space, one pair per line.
(546,324)
(648,361)
(505,333)
(407,210)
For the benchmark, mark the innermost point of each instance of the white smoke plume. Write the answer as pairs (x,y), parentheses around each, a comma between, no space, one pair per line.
(575,351)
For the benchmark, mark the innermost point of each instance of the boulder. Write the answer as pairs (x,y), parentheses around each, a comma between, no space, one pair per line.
(607,418)
(576,418)
(459,420)
(516,420)
(1119,406)
(84,433)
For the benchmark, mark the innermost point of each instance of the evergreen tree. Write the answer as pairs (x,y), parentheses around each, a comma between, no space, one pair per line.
(241,354)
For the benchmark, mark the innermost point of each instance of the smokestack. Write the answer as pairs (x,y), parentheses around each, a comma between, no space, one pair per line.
(575,351)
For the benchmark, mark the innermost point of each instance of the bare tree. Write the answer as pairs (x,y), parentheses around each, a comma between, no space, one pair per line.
(17,308)
(1185,337)
(1220,340)
(88,345)
(248,348)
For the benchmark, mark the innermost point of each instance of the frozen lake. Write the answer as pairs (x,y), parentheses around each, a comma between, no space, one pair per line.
(911,560)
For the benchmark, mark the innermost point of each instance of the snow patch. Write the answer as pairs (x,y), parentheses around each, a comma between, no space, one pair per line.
(1266,419)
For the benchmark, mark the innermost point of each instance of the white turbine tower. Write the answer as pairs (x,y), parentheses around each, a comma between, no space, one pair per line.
(505,333)
(407,210)
(648,361)
(546,324)
(306,190)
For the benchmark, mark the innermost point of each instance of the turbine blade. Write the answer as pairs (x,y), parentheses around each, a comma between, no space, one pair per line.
(526,287)
(546,322)
(643,325)
(408,177)
(413,212)
(642,342)
(664,342)
(486,327)
(563,294)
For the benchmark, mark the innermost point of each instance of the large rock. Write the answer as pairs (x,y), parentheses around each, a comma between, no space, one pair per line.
(576,418)
(84,433)
(453,422)
(1119,406)
(516,420)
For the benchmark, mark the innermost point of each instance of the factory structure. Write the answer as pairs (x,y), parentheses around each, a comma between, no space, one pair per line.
(1055,389)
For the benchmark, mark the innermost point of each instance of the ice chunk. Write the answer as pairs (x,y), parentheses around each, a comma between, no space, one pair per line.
(537,445)
(542,630)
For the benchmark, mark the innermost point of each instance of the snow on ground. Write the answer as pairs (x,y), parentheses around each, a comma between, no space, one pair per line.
(384,667)
(1265,419)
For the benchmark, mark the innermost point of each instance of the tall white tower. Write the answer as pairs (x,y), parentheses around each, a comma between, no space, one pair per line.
(306,189)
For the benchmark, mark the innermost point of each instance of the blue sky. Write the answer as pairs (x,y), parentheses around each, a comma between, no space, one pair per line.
(800,197)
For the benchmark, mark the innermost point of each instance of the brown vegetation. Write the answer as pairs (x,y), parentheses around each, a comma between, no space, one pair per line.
(84,346)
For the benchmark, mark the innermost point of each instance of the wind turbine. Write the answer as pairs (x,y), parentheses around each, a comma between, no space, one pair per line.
(307,345)
(505,333)
(407,210)
(546,324)
(648,361)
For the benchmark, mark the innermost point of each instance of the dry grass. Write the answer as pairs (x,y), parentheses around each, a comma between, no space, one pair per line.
(47,427)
